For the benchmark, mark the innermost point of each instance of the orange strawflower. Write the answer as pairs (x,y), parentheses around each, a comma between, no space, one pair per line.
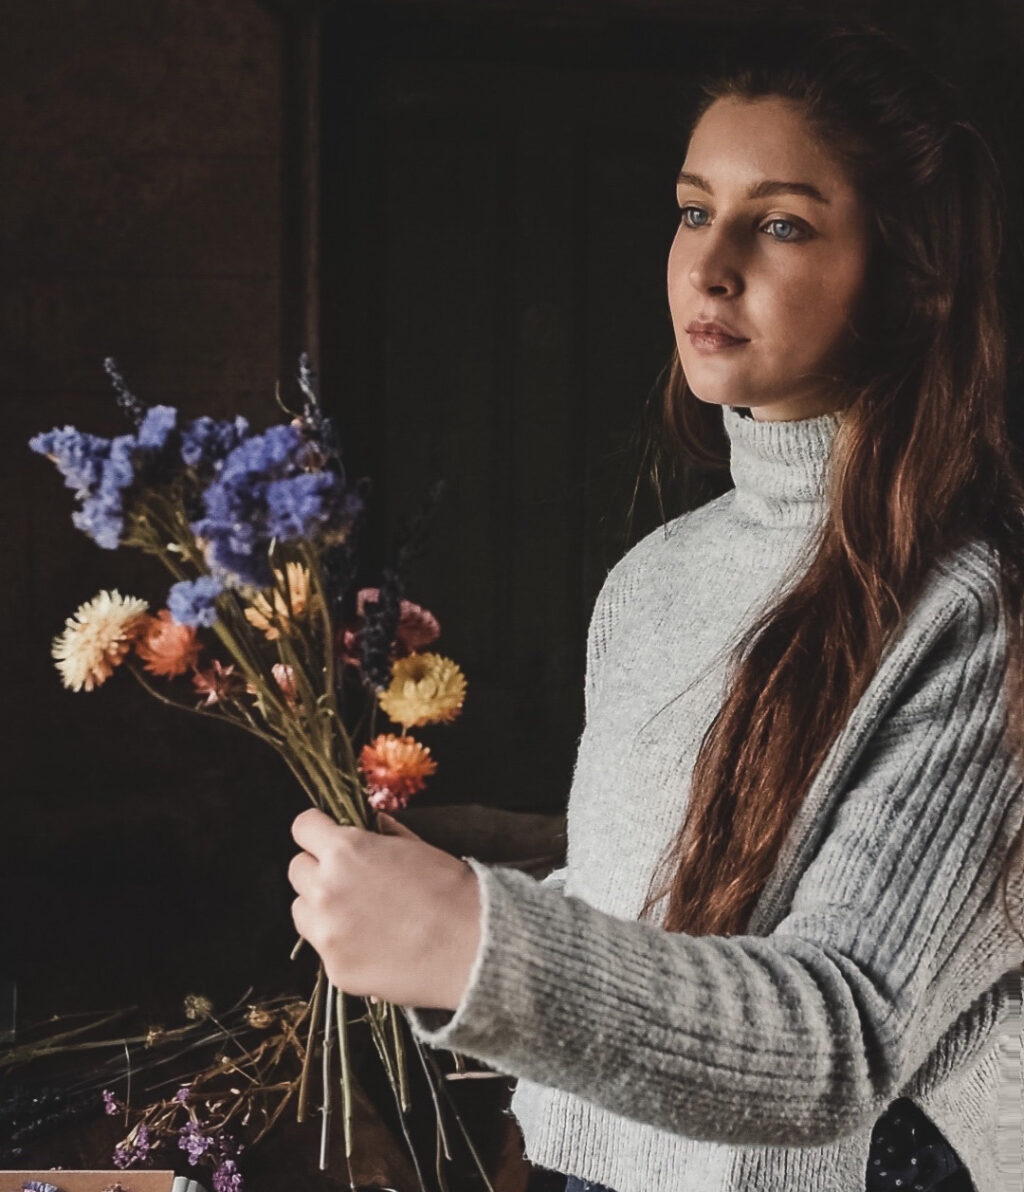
(395,768)
(167,648)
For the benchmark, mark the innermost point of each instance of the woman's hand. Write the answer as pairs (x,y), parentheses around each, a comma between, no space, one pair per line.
(391,916)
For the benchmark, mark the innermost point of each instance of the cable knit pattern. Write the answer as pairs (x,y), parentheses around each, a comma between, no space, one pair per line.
(878,962)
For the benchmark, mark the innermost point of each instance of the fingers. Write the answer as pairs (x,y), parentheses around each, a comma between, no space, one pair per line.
(391,827)
(301,872)
(312,830)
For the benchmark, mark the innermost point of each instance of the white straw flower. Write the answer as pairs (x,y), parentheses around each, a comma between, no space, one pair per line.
(96,638)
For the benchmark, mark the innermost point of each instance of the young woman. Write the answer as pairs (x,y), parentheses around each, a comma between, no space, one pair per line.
(804,714)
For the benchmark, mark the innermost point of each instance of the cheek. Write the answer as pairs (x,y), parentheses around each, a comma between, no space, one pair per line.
(814,308)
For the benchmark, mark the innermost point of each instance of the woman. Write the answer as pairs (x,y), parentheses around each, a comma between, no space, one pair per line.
(827,816)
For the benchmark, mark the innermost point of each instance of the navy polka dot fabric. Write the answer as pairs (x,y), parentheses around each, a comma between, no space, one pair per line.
(908,1152)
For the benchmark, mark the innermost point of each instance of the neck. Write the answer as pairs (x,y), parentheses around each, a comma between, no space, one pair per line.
(779,466)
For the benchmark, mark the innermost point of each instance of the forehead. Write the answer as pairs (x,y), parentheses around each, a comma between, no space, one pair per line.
(737,142)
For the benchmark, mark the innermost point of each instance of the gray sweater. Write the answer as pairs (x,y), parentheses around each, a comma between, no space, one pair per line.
(878,962)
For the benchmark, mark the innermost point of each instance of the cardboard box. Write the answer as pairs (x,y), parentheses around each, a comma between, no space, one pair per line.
(94,1181)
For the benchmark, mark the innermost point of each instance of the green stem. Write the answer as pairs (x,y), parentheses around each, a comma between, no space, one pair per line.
(346,1079)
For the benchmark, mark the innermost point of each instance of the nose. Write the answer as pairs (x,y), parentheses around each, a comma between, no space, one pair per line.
(714,268)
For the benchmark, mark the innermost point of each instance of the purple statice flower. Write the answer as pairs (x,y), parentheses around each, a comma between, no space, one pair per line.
(206,443)
(267,489)
(182,1095)
(110,1103)
(227,1177)
(101,470)
(98,470)
(193,601)
(38,1186)
(133,1150)
(194,1142)
(156,427)
(78,455)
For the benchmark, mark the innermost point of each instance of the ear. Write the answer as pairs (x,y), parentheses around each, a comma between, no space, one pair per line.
(389,826)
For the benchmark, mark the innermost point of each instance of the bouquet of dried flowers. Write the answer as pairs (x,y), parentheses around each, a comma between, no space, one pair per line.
(259,534)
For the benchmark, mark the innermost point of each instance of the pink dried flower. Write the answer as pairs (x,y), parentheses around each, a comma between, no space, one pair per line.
(217,682)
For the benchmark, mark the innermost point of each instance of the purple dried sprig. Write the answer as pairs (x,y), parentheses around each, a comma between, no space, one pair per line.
(194,1142)
(111,1105)
(135,1149)
(380,624)
(227,1177)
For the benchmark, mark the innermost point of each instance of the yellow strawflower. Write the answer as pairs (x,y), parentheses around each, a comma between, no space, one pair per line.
(424,689)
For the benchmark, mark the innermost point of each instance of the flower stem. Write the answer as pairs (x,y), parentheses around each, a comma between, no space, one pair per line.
(346,1080)
(328,1048)
(307,1060)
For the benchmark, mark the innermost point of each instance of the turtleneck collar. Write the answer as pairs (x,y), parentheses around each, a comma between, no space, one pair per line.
(778,467)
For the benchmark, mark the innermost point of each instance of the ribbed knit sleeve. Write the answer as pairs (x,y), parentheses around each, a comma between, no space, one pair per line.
(804,1035)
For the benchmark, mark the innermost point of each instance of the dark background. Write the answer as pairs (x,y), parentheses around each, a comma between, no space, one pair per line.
(463,212)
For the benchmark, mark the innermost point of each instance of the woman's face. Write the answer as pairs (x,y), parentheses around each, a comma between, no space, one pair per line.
(781,268)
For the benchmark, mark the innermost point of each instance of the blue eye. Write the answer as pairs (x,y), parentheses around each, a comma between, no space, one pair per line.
(788,223)
(684,210)
(789,238)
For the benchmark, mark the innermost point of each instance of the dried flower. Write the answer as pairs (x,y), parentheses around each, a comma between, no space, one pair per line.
(134,1149)
(111,1105)
(417,627)
(259,1018)
(380,621)
(97,637)
(285,678)
(272,618)
(167,648)
(264,491)
(217,682)
(227,1177)
(197,1006)
(101,471)
(395,768)
(425,689)
(194,602)
(181,1096)
(205,443)
(194,1142)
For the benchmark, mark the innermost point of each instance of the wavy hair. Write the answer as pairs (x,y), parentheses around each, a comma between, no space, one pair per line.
(929,369)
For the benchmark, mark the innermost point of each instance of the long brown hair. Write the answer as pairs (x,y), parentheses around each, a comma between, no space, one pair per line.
(922,461)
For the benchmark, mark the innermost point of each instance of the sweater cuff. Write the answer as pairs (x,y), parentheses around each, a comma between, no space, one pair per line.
(487,1010)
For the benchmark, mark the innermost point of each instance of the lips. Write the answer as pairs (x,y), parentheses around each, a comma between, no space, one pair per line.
(706,329)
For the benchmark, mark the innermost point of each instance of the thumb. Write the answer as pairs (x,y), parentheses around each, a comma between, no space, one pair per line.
(391,827)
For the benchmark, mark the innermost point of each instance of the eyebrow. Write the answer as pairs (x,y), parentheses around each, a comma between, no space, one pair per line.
(760,190)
